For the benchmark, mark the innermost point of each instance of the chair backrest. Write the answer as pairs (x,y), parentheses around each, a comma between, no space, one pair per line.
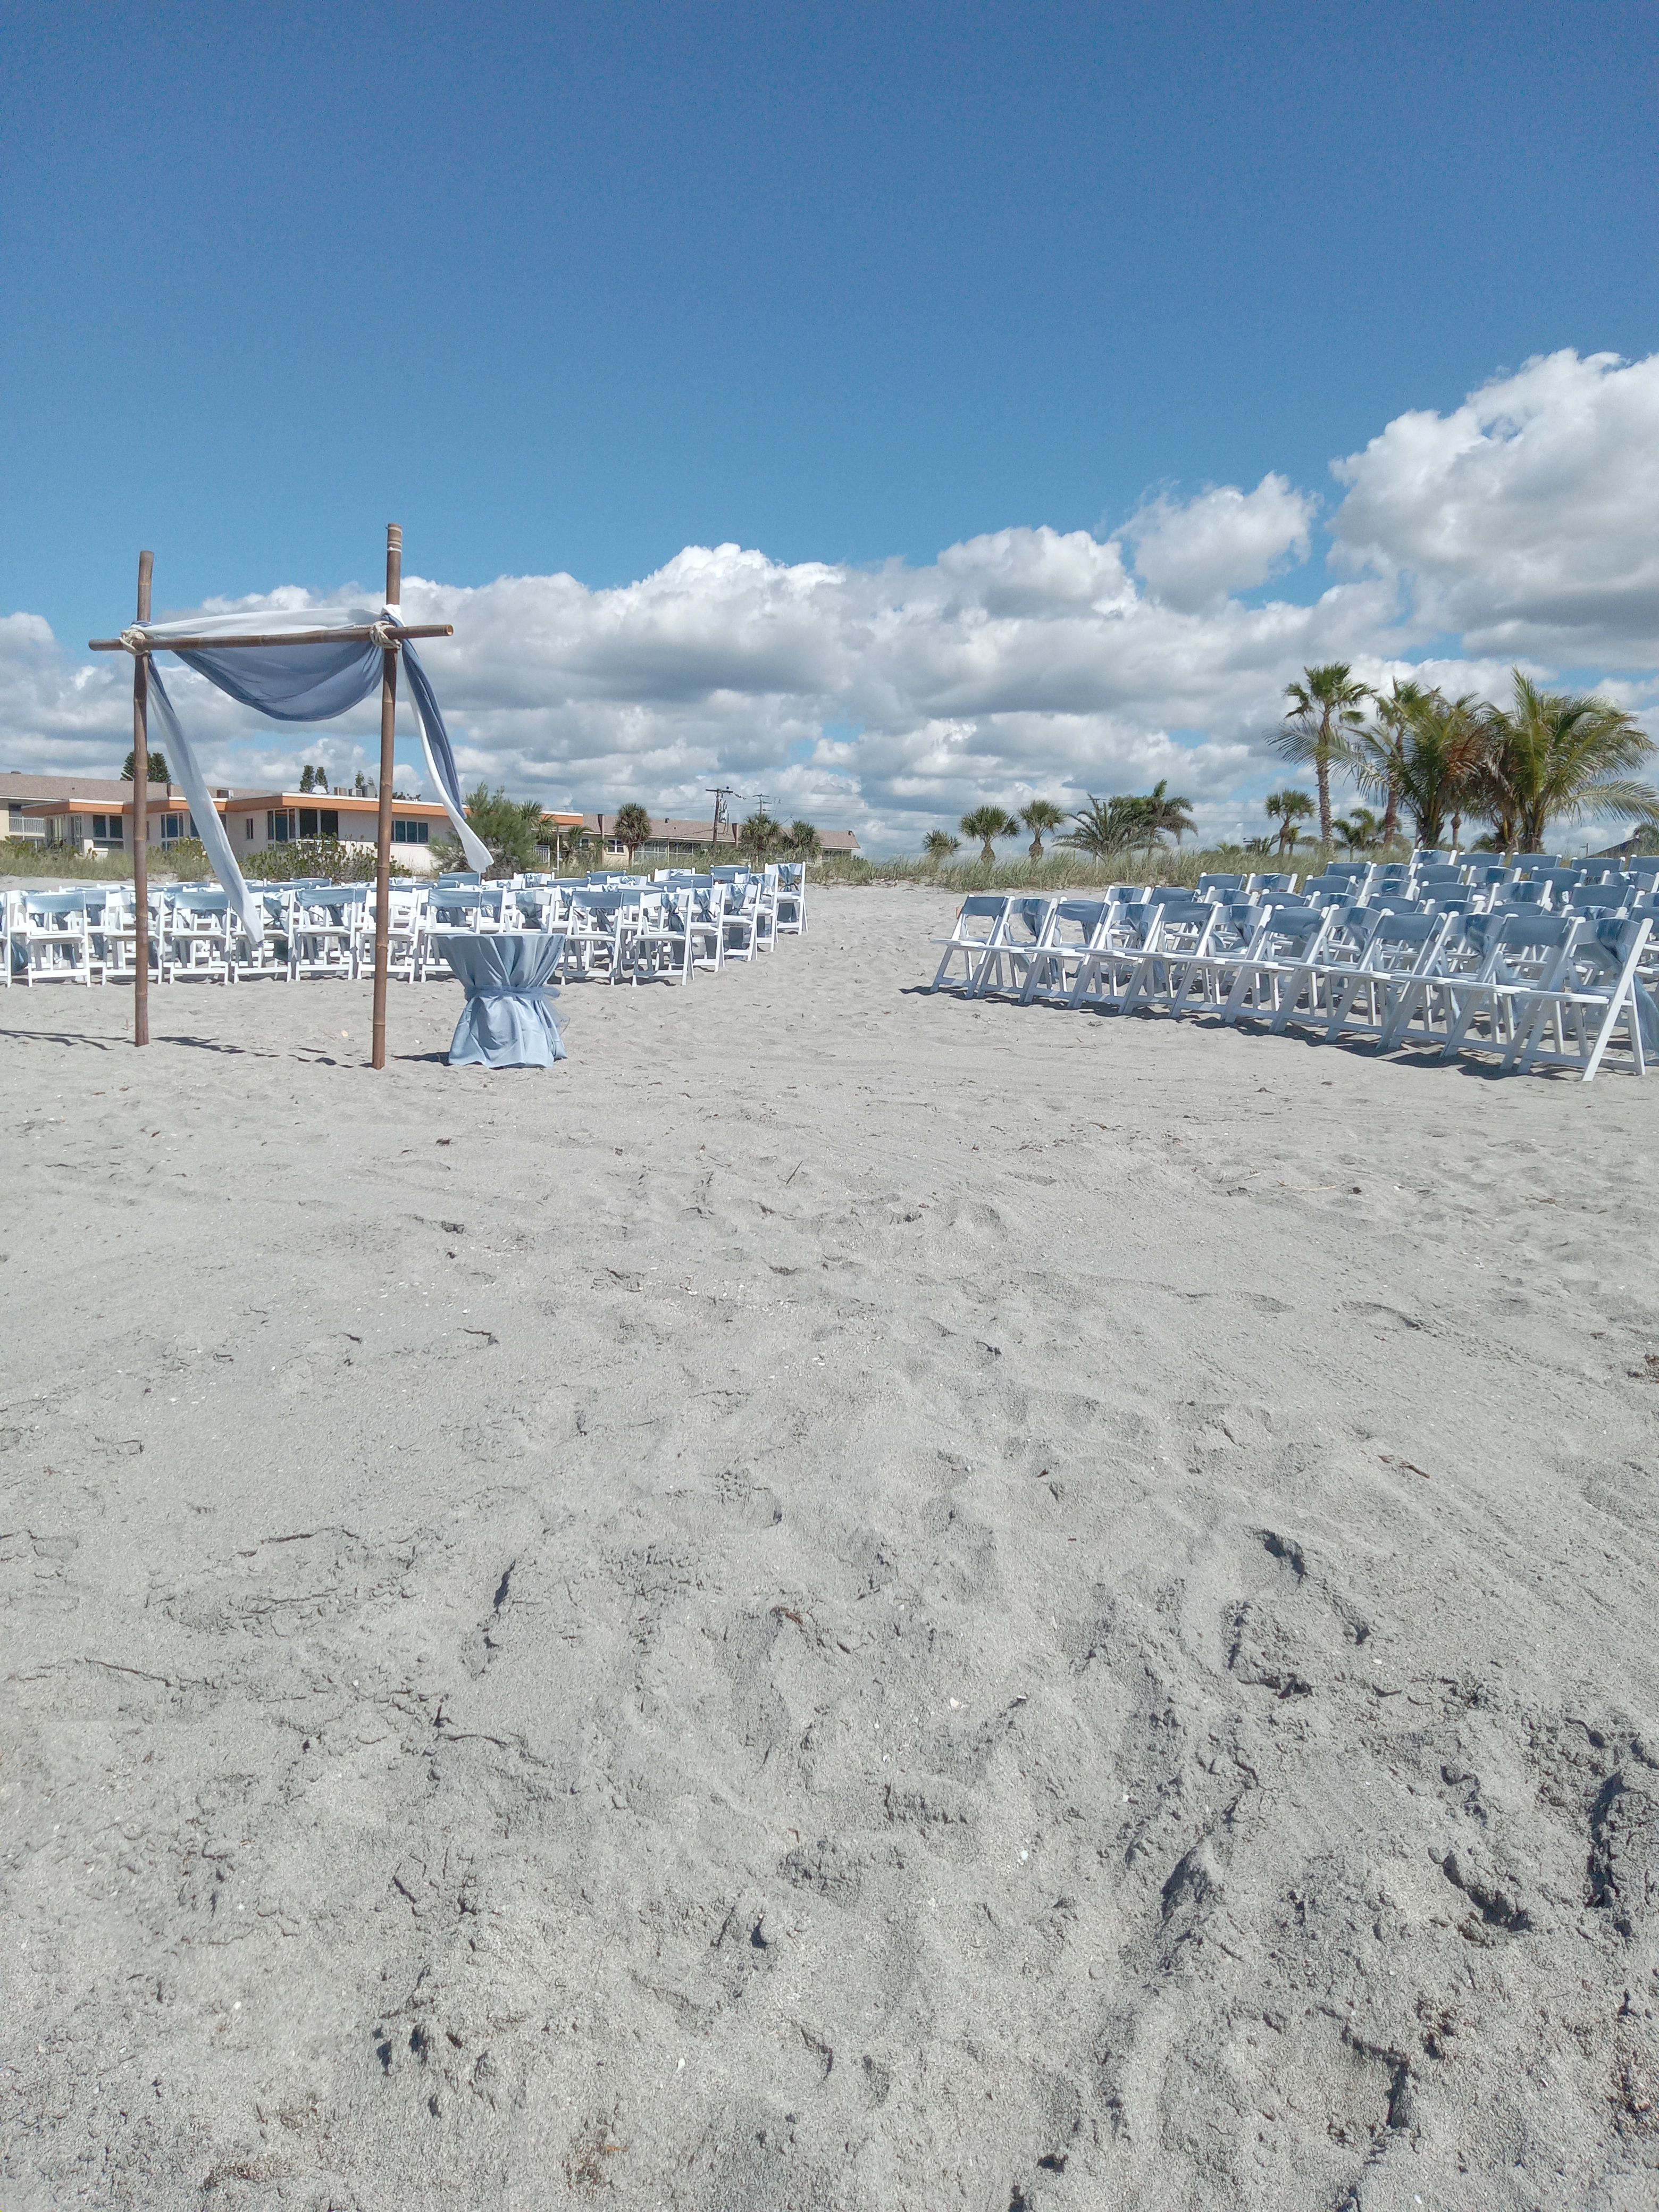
(1077,921)
(983,908)
(1219,884)
(1512,931)
(1293,929)
(1402,934)
(1184,918)
(1024,920)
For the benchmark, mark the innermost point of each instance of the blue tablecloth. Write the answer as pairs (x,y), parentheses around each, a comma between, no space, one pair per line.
(507,1020)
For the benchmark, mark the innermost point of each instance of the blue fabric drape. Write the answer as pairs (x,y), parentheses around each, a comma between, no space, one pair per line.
(294,683)
(507,1020)
(299,684)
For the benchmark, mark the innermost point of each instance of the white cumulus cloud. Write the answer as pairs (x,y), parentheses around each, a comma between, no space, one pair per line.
(1523,521)
(1193,553)
(1026,661)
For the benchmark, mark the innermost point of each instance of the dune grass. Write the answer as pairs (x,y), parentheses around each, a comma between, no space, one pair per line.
(1065,870)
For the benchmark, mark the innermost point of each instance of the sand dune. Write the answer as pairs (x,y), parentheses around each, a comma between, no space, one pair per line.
(849,1600)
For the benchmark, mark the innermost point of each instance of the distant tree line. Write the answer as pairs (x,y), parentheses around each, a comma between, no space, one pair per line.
(1548,757)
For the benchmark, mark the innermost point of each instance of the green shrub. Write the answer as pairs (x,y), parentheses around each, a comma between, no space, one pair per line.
(314,856)
(32,856)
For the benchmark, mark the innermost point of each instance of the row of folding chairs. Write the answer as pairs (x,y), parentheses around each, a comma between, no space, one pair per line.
(618,929)
(1517,985)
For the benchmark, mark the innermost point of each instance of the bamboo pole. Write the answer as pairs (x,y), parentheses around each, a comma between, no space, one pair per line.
(355,634)
(141,818)
(394,585)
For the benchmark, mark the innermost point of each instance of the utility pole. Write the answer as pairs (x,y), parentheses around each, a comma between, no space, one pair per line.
(719,794)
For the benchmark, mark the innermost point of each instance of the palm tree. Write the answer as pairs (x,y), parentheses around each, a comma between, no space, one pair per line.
(1556,755)
(1358,830)
(1325,714)
(802,841)
(1375,751)
(938,845)
(1041,814)
(1445,746)
(630,827)
(1105,827)
(1164,814)
(760,837)
(1287,808)
(987,823)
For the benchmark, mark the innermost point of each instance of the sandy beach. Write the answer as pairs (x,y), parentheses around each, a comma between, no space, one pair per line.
(849,1602)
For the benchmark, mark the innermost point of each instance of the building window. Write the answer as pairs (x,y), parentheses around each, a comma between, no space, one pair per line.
(279,826)
(174,826)
(411,833)
(307,822)
(247,826)
(328,821)
(106,829)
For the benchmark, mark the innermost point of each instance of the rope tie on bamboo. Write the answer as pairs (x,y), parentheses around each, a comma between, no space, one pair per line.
(135,640)
(380,632)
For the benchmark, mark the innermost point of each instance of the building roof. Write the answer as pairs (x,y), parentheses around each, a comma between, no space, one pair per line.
(353,802)
(17,789)
(118,796)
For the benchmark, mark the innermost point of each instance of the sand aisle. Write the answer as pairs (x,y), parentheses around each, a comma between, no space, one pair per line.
(849,1602)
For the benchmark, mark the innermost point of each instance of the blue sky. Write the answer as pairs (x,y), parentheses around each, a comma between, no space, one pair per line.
(570,289)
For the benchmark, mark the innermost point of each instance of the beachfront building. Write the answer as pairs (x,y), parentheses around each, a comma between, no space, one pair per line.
(90,814)
(256,820)
(686,844)
(94,816)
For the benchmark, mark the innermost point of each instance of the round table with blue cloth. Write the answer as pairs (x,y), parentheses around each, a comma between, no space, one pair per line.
(507,1020)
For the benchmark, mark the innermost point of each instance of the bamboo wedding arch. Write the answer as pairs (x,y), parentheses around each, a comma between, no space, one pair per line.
(391,635)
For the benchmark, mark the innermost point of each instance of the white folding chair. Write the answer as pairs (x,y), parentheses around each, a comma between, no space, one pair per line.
(656,942)
(593,931)
(978,920)
(1074,926)
(1364,998)
(325,932)
(195,933)
(1573,1022)
(1271,980)
(56,938)
(1012,947)
(1106,970)
(792,899)
(1162,975)
(1521,953)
